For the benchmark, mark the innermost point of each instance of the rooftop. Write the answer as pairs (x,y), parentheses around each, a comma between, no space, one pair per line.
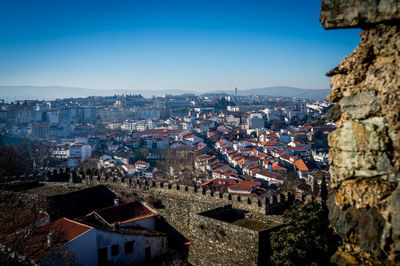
(125,213)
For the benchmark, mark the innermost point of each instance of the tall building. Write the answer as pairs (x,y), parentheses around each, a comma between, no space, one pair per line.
(41,130)
(236,97)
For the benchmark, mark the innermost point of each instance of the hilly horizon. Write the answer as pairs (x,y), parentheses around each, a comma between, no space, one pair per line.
(285,91)
(12,93)
(281,91)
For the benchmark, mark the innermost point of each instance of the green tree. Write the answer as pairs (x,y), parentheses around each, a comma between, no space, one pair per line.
(320,140)
(138,154)
(324,190)
(276,124)
(100,149)
(305,238)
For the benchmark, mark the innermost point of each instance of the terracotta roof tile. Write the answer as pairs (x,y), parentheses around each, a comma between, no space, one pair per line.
(69,228)
(125,213)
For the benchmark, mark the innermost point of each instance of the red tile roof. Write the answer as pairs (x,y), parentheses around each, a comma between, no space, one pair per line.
(277,167)
(301,165)
(36,246)
(125,213)
(70,229)
(220,181)
(141,162)
(245,186)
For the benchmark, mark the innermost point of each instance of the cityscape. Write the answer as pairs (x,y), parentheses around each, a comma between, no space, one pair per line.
(226,136)
(210,161)
(256,147)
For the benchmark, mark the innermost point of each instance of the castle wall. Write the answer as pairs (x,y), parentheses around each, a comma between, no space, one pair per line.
(211,241)
(215,242)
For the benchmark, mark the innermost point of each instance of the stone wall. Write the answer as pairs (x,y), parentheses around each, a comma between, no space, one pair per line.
(365,147)
(215,242)
(204,198)
(211,241)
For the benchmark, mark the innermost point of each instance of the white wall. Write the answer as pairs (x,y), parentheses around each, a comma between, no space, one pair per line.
(148,223)
(84,248)
(106,239)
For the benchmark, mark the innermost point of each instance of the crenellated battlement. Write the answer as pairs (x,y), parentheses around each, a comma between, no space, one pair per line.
(272,205)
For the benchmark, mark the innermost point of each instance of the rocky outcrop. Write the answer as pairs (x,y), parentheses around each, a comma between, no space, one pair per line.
(365,147)
(358,13)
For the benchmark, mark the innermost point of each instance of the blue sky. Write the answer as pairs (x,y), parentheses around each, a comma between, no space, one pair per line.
(188,45)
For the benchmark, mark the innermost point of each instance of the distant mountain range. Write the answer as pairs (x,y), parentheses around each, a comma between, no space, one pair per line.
(12,93)
(284,91)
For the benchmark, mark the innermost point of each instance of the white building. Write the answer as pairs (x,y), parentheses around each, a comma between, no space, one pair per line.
(78,152)
(321,157)
(113,125)
(60,152)
(129,169)
(272,178)
(88,245)
(255,120)
(141,165)
(129,125)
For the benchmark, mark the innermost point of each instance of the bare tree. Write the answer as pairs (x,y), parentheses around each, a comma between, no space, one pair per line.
(37,156)
(89,163)
(26,232)
(9,162)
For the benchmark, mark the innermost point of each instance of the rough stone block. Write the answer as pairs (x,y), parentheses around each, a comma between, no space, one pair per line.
(395,205)
(365,135)
(357,13)
(361,106)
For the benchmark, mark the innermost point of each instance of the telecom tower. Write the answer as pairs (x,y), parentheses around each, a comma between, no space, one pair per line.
(236,98)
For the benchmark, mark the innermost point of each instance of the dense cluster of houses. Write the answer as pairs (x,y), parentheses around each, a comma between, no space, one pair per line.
(229,142)
(267,156)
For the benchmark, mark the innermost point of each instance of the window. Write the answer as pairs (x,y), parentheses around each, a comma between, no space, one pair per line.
(114,250)
(129,247)
(147,253)
(102,256)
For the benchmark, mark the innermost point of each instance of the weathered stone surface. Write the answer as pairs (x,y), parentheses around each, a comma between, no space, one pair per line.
(355,13)
(362,226)
(344,258)
(364,193)
(362,105)
(365,147)
(333,113)
(343,220)
(395,212)
(365,135)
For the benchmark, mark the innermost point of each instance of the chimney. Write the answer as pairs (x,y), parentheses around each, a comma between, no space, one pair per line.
(49,239)
(115,226)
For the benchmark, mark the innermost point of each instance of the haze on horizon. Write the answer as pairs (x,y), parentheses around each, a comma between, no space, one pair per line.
(181,45)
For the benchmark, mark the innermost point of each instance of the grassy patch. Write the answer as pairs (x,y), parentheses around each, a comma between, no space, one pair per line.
(50,190)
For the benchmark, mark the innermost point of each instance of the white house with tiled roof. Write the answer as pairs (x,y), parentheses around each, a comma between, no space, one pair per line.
(96,240)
